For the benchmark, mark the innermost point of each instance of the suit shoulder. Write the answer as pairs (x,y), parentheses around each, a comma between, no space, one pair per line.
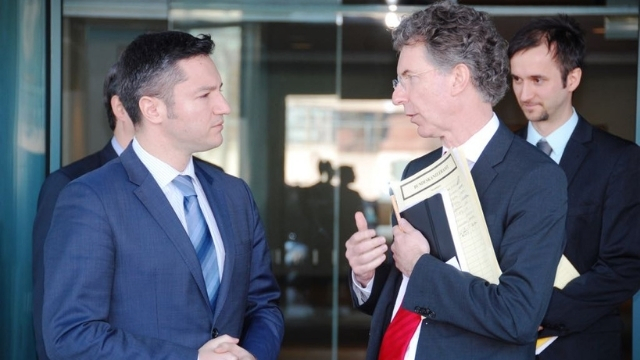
(218,174)
(524,159)
(57,180)
(609,142)
(420,163)
(522,150)
(106,176)
(79,167)
(207,165)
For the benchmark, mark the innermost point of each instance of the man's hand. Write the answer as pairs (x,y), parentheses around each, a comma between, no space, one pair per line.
(365,251)
(223,347)
(408,246)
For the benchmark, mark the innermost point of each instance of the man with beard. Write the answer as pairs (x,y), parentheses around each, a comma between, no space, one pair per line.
(604,192)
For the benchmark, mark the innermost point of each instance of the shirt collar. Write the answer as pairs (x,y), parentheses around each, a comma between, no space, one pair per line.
(116,146)
(558,139)
(162,172)
(473,147)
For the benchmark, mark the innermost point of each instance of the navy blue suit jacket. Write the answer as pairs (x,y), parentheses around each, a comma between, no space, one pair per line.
(603,243)
(123,280)
(53,184)
(523,197)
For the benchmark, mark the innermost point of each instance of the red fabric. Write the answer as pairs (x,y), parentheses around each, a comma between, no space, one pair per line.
(398,335)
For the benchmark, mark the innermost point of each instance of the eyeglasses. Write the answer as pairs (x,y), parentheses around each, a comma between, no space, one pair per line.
(402,79)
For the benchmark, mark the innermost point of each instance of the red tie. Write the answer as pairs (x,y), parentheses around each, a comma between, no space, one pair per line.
(398,335)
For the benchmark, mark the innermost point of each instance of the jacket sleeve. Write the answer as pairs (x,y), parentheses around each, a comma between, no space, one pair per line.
(263,329)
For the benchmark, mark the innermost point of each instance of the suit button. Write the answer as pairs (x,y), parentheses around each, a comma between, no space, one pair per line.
(431,314)
(214,333)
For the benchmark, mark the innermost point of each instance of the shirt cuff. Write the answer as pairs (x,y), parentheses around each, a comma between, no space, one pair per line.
(362,293)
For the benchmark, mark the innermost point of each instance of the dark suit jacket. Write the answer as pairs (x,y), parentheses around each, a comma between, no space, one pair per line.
(49,192)
(523,197)
(123,280)
(603,243)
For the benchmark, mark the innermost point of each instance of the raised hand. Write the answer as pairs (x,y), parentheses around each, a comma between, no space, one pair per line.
(365,251)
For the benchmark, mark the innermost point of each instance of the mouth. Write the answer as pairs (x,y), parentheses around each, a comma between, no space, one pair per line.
(529,106)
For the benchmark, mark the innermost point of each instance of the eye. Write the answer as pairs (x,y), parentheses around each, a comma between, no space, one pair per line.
(516,80)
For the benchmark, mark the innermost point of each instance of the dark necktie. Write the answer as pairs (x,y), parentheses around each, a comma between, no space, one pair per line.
(544,146)
(200,237)
(398,335)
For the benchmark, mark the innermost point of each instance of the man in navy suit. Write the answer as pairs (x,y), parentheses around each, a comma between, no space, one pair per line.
(122,128)
(452,69)
(123,278)
(603,172)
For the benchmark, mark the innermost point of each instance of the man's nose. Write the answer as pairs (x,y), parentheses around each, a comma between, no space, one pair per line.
(525,92)
(399,95)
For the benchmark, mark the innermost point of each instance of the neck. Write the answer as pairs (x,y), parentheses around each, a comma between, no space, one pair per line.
(553,123)
(122,139)
(157,146)
(467,124)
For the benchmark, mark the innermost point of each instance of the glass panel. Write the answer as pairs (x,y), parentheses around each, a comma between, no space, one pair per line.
(22,163)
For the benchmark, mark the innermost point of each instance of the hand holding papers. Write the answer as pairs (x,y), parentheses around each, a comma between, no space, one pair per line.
(565,273)
(450,179)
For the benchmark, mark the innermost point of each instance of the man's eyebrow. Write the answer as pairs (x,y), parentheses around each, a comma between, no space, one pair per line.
(207,88)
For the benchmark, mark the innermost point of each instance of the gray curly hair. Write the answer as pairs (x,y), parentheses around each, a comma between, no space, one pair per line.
(457,34)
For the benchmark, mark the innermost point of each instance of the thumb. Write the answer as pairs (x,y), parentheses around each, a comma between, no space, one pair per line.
(405,225)
(361,222)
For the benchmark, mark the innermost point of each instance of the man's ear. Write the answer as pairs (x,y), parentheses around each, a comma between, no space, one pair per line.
(461,76)
(573,79)
(118,107)
(152,109)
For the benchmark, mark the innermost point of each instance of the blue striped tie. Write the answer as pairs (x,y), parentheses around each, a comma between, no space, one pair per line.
(200,237)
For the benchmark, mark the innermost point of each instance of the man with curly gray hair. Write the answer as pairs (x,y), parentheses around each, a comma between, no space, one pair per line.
(452,68)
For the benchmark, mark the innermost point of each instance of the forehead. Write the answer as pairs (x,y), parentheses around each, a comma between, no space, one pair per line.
(200,71)
(412,58)
(536,58)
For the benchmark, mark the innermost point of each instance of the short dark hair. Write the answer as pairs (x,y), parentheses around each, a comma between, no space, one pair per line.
(109,90)
(563,37)
(148,66)
(457,34)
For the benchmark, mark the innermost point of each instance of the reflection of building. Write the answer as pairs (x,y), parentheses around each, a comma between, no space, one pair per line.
(373,136)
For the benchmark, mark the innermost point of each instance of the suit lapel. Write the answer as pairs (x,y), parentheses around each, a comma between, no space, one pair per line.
(219,207)
(156,203)
(483,171)
(577,148)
